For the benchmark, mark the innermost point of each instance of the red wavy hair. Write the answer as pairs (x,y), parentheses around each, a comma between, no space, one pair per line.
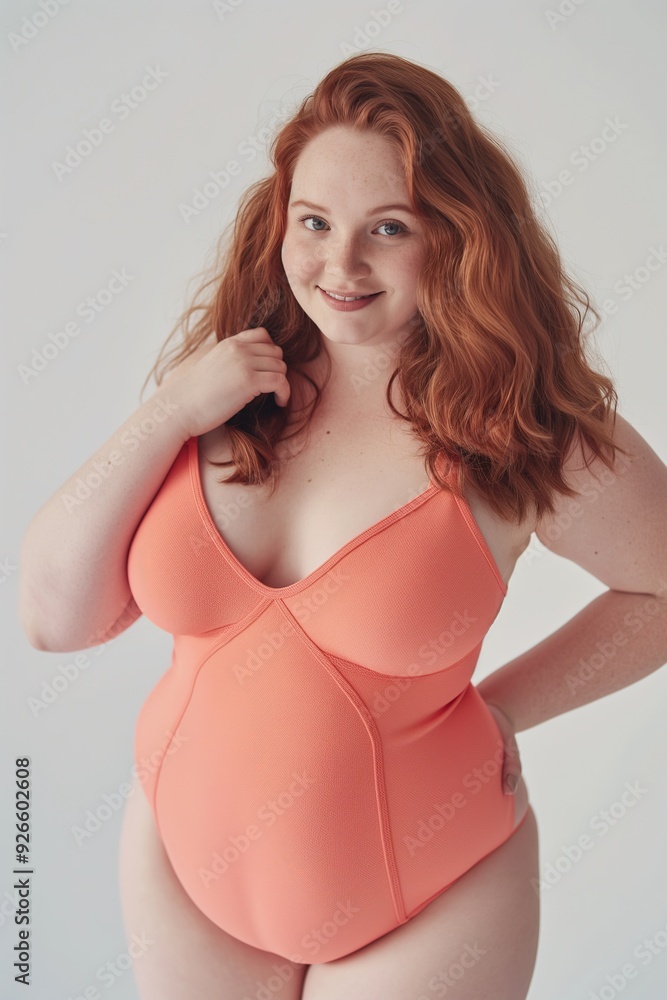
(495,372)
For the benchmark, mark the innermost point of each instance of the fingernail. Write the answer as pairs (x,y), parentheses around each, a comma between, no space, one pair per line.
(511,782)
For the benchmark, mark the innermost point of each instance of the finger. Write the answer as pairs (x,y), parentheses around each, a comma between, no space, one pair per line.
(511,765)
(510,782)
(511,769)
(511,747)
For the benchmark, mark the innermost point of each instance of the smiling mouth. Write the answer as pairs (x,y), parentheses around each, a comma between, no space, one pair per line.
(347,298)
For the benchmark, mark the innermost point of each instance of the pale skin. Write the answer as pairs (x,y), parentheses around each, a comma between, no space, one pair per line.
(355,447)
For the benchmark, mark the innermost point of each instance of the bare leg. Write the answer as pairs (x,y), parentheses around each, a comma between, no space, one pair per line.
(190,957)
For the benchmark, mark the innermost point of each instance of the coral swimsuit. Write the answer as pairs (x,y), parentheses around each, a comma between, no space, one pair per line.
(321,765)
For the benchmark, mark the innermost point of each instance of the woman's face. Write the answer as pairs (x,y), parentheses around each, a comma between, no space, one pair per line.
(356,234)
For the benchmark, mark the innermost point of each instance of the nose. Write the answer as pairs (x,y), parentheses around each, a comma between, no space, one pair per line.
(344,257)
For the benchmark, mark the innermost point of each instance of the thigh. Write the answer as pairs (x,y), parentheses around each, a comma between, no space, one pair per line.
(476,940)
(184,954)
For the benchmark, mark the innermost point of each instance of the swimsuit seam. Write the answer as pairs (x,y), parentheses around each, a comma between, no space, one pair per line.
(424,903)
(205,656)
(382,804)
(403,677)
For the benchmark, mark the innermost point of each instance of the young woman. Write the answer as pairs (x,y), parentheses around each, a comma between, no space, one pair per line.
(386,394)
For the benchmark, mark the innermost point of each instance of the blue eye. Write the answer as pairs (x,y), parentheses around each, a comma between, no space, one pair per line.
(389,222)
(304,218)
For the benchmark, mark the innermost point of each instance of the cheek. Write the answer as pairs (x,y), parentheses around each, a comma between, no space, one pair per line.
(413,265)
(298,262)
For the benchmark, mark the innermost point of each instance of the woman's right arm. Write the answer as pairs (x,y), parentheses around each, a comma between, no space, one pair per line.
(73,586)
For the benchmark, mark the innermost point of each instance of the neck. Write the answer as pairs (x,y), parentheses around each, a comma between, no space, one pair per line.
(358,372)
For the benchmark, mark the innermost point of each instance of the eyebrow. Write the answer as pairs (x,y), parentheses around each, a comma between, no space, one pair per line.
(373,211)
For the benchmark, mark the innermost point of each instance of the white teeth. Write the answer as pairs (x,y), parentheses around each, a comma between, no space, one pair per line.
(344,298)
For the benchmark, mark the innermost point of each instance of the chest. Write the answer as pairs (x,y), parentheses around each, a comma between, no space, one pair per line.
(334,483)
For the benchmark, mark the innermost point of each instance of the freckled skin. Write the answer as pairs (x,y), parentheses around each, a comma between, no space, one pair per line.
(347,249)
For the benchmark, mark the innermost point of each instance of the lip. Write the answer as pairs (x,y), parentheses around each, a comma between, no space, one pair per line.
(348,306)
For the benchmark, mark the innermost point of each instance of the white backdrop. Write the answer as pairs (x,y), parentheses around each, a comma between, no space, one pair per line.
(549,83)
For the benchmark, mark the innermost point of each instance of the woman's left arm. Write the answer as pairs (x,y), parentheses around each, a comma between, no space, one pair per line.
(616,528)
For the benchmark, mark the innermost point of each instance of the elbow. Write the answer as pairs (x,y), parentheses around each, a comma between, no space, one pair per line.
(26,619)
(51,645)
(32,633)
(30,599)
(31,621)
(35,640)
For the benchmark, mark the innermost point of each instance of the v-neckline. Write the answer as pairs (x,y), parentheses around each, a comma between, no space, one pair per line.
(298,585)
